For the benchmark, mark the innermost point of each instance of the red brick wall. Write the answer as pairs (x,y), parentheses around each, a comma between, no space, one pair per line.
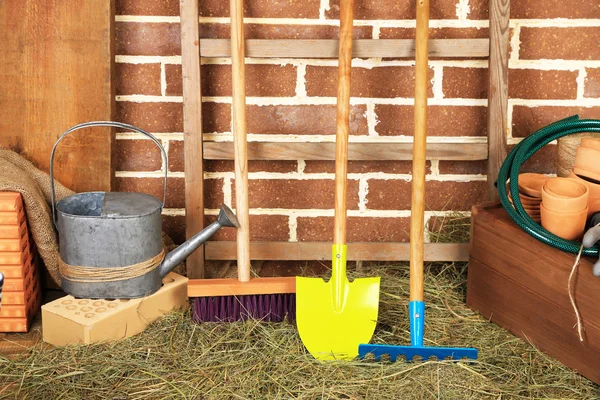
(554,72)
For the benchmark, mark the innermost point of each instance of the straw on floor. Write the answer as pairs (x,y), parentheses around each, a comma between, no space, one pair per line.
(176,358)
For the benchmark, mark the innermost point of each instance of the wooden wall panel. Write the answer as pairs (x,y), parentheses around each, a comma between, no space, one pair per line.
(56,71)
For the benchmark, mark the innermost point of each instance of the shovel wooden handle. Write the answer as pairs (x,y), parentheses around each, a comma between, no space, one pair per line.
(239,138)
(417,220)
(343,119)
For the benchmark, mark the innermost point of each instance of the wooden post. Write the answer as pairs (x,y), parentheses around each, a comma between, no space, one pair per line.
(192,128)
(497,91)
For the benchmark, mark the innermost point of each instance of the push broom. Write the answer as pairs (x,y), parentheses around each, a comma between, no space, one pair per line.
(216,300)
(416,307)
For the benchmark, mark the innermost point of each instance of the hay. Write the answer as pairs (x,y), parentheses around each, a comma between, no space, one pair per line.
(174,358)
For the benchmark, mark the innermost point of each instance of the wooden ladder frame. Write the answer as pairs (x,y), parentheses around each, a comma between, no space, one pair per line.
(195,150)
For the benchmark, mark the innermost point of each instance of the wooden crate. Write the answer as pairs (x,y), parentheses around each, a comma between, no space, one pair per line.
(520,284)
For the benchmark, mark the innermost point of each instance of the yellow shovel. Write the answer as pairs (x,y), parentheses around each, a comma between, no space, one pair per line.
(335,317)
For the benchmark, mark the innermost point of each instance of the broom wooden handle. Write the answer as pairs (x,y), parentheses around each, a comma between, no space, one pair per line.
(343,119)
(239,138)
(417,220)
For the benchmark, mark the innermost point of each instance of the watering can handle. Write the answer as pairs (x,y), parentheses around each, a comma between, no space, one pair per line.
(114,125)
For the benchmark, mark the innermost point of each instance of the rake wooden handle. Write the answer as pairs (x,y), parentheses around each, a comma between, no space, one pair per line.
(239,138)
(417,220)
(343,119)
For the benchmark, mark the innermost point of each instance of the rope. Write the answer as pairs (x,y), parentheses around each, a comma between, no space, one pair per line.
(76,273)
(579,326)
(566,149)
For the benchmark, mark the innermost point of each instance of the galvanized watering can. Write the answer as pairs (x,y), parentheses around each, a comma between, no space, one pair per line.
(119,235)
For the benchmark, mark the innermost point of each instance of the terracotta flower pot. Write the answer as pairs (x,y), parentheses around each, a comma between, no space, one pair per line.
(594,193)
(587,162)
(590,142)
(565,195)
(531,184)
(527,201)
(569,226)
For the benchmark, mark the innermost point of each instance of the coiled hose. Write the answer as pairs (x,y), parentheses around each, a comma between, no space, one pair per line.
(509,172)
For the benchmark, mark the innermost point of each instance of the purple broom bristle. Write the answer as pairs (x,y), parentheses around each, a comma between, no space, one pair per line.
(269,308)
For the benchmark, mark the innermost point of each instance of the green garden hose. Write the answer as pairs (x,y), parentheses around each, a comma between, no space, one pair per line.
(509,172)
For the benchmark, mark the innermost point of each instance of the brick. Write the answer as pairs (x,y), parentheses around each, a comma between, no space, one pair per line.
(213,193)
(154,187)
(527,120)
(435,33)
(439,195)
(543,9)
(147,39)
(466,83)
(386,82)
(478,167)
(216,117)
(137,79)
(522,84)
(363,167)
(373,9)
(263,8)
(296,194)
(176,160)
(148,7)
(174,80)
(276,31)
(302,119)
(542,162)
(137,155)
(592,83)
(262,80)
(153,117)
(574,43)
(253,166)
(441,120)
(174,227)
(262,228)
(359,229)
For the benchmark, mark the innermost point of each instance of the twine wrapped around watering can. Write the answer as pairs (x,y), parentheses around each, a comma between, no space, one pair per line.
(83,274)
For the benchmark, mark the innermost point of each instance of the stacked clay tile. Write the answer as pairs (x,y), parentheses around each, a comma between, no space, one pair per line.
(21,293)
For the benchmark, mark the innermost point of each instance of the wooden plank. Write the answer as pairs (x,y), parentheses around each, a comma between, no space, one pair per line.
(362,48)
(530,316)
(356,151)
(192,128)
(222,250)
(233,287)
(497,90)
(57,63)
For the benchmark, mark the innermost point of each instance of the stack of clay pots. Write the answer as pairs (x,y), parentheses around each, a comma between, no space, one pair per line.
(566,203)
(530,194)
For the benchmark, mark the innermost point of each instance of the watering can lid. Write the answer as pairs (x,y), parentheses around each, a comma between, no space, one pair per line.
(109,204)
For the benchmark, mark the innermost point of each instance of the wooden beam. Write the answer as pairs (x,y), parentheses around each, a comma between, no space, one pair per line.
(497,91)
(362,48)
(233,287)
(298,251)
(356,151)
(192,128)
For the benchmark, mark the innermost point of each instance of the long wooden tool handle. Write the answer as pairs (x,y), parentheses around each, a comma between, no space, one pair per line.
(239,138)
(417,219)
(343,119)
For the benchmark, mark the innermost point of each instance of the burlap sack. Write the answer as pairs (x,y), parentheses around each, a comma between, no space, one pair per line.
(19,175)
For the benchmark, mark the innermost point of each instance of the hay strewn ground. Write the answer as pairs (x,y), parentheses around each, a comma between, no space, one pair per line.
(177,359)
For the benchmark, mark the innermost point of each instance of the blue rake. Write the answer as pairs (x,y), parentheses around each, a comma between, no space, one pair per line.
(417,326)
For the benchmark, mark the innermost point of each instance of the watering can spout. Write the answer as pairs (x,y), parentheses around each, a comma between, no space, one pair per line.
(226,218)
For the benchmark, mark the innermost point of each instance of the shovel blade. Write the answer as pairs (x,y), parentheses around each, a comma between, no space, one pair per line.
(333,330)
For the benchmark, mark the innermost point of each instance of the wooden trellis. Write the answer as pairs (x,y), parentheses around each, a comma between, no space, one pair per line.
(496,48)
